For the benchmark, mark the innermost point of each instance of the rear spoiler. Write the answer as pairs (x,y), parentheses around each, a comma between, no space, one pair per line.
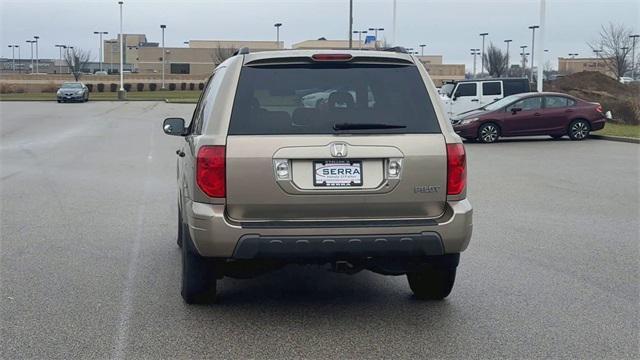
(309,60)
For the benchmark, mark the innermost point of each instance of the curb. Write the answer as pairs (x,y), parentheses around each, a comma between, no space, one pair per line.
(615,138)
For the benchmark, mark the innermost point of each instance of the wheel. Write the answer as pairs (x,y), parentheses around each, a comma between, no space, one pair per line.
(556,137)
(59,101)
(180,229)
(432,283)
(86,98)
(198,274)
(488,133)
(579,129)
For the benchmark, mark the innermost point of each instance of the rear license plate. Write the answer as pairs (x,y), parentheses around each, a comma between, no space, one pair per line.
(337,173)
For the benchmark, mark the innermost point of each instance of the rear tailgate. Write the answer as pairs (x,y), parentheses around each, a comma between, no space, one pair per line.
(334,141)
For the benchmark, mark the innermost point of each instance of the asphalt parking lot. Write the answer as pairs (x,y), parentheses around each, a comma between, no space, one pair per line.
(89,267)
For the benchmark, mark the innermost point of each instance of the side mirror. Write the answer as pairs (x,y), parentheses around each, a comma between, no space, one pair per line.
(515,110)
(454,98)
(174,126)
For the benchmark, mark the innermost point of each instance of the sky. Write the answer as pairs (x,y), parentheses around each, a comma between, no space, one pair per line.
(448,27)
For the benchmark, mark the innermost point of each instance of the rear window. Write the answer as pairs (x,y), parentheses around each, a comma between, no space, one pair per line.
(321,99)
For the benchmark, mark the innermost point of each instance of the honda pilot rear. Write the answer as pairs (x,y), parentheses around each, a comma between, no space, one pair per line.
(341,159)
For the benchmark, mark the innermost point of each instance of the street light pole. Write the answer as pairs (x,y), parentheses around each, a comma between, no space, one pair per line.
(541,43)
(31,42)
(121,93)
(19,59)
(533,44)
(360,32)
(350,24)
(524,60)
(60,46)
(37,58)
(633,55)
(163,55)
(482,59)
(474,52)
(13,57)
(508,41)
(277,26)
(597,52)
(375,30)
(100,57)
(422,49)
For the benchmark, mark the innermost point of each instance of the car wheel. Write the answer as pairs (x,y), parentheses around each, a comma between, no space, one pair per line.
(432,283)
(579,129)
(198,274)
(488,133)
(59,101)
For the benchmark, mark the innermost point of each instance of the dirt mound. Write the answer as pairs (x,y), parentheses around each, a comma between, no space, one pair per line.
(623,100)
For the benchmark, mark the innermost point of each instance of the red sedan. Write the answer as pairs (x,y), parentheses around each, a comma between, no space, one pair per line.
(529,114)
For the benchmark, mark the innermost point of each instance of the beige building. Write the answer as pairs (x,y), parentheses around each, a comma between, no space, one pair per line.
(200,57)
(568,66)
(440,72)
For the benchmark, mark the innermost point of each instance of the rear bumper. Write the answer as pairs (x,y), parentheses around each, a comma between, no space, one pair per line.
(215,236)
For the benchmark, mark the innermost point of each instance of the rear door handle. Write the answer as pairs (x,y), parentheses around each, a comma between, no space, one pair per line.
(475,100)
(496,99)
(537,114)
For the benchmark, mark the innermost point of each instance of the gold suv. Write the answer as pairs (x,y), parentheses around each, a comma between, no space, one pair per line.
(343,159)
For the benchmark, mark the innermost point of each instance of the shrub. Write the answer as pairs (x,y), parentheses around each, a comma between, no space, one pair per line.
(90,87)
(192,86)
(127,87)
(100,87)
(172,87)
(6,89)
(183,86)
(49,88)
(153,86)
(113,87)
(140,86)
(200,86)
(19,90)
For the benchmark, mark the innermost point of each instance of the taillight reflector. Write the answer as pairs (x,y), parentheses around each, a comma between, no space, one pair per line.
(599,108)
(456,169)
(211,171)
(331,57)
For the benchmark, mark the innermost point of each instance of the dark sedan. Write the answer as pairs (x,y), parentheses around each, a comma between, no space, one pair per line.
(73,91)
(529,114)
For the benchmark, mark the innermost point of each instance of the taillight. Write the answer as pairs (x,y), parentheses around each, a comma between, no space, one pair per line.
(456,169)
(210,171)
(331,57)
(599,108)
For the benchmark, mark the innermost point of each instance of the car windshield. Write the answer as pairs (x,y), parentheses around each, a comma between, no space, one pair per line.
(446,89)
(72,86)
(359,98)
(502,102)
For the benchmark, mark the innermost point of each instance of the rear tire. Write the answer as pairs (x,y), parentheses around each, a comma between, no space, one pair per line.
(488,133)
(579,129)
(432,283)
(198,274)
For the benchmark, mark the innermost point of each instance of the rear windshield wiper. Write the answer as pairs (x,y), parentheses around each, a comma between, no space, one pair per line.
(366,126)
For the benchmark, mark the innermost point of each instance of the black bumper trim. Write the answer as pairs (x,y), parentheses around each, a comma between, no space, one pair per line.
(338,247)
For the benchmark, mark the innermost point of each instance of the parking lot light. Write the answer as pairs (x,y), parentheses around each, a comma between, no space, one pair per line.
(533,44)
(37,58)
(163,55)
(482,59)
(277,26)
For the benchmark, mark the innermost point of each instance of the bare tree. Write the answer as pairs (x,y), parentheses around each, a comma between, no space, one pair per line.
(77,60)
(495,61)
(220,54)
(615,46)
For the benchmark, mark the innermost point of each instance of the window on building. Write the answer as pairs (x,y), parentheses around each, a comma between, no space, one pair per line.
(180,68)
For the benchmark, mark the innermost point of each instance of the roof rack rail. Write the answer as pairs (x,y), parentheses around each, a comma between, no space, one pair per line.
(399,49)
(241,51)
